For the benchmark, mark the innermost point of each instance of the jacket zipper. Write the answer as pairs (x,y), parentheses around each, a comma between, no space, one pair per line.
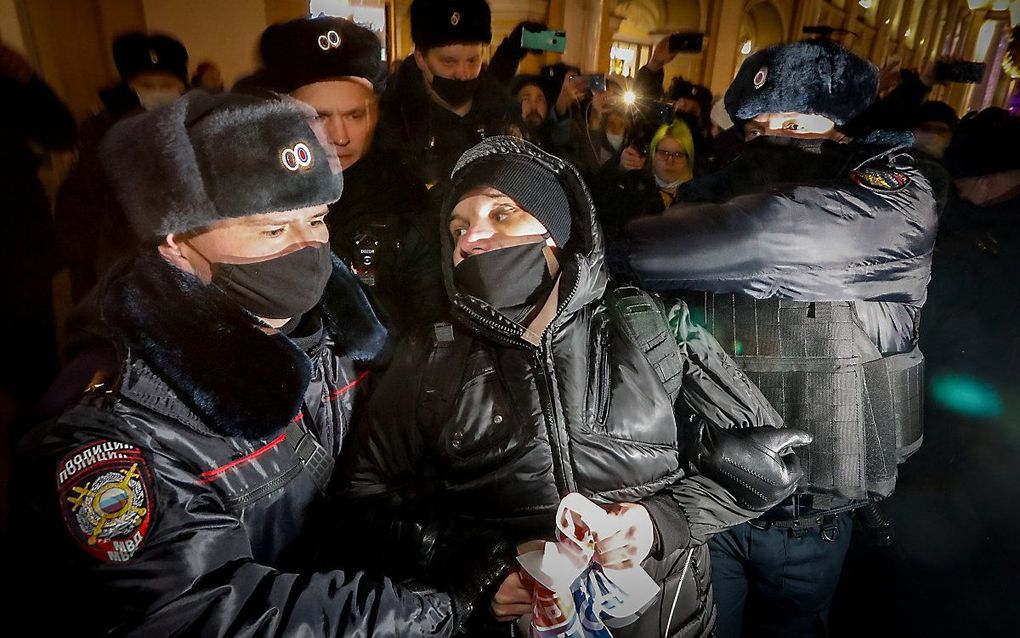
(558,439)
(602,370)
(264,489)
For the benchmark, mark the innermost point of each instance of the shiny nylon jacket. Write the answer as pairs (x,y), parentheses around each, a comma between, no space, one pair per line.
(582,411)
(230,548)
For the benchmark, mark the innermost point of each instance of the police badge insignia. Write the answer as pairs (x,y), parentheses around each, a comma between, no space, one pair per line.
(106,498)
(879,179)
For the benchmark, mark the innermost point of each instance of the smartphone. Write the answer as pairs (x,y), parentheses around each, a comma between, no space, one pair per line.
(595,82)
(555,41)
(686,42)
(963,72)
(659,113)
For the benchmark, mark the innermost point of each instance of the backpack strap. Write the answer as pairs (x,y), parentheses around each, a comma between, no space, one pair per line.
(443,372)
(642,319)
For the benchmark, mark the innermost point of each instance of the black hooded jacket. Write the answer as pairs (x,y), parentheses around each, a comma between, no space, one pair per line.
(581,411)
(430,138)
(196,442)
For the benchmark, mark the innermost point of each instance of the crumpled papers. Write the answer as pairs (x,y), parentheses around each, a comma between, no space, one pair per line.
(575,597)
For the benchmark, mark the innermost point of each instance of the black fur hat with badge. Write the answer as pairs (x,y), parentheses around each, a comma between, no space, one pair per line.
(135,53)
(310,50)
(437,23)
(812,77)
(205,158)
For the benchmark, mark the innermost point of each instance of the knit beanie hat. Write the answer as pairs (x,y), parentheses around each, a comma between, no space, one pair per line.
(310,50)
(437,23)
(206,158)
(135,53)
(529,184)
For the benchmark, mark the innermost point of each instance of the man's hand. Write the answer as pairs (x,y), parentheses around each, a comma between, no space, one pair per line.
(661,55)
(513,598)
(571,93)
(633,541)
(631,159)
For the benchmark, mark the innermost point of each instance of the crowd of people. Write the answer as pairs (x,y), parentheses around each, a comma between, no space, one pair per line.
(344,339)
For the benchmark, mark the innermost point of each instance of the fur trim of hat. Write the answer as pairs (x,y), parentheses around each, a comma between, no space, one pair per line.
(206,158)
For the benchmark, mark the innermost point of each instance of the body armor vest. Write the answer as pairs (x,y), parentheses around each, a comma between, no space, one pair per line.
(816,365)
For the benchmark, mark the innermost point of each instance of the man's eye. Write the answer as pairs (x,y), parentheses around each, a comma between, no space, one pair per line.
(791,126)
(275,232)
(318,222)
(457,232)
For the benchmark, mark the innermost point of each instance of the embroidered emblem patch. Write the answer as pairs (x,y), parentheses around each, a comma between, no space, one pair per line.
(329,40)
(296,158)
(879,179)
(455,18)
(760,77)
(106,498)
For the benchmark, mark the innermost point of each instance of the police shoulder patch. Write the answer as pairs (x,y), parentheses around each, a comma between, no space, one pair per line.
(106,498)
(879,179)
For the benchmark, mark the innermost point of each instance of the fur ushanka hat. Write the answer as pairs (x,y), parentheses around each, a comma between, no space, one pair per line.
(205,158)
(812,76)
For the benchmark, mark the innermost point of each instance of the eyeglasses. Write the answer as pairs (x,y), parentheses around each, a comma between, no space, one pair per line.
(666,155)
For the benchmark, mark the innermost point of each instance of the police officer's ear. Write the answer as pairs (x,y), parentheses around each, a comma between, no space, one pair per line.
(173,250)
(419,59)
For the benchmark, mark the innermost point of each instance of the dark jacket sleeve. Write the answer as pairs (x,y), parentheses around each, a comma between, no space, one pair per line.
(833,240)
(648,83)
(714,388)
(196,573)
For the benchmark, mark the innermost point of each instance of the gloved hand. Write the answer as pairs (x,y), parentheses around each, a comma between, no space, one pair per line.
(470,563)
(756,465)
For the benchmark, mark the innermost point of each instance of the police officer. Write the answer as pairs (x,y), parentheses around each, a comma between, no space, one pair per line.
(379,225)
(809,256)
(441,101)
(180,494)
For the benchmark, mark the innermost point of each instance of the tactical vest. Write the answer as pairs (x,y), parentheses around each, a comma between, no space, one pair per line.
(816,365)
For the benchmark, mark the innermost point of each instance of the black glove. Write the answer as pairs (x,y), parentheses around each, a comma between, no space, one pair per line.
(470,563)
(515,36)
(756,465)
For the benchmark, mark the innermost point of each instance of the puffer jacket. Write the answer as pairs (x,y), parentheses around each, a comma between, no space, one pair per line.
(181,494)
(807,220)
(581,411)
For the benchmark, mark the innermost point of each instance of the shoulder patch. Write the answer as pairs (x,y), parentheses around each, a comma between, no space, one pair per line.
(106,498)
(879,179)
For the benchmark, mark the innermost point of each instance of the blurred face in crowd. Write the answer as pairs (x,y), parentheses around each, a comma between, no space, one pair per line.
(246,240)
(689,106)
(670,161)
(453,62)
(347,109)
(533,105)
(486,219)
(155,88)
(804,125)
(933,138)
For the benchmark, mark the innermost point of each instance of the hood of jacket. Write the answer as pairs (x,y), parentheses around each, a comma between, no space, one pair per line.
(237,379)
(582,278)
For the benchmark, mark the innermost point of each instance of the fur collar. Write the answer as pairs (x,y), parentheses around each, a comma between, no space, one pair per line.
(238,380)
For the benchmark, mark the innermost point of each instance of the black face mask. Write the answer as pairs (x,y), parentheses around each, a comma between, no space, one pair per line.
(454,92)
(512,280)
(278,288)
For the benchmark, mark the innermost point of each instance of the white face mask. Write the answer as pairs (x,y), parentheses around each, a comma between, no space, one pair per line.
(931,143)
(614,140)
(151,99)
(664,185)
